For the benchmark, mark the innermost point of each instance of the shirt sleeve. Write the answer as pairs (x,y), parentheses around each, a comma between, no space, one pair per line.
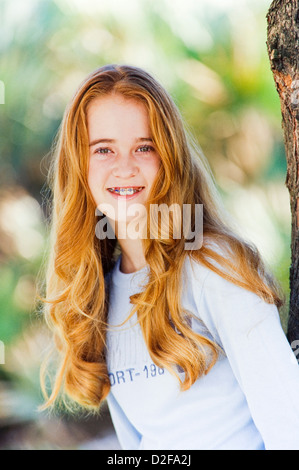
(250,332)
(128,436)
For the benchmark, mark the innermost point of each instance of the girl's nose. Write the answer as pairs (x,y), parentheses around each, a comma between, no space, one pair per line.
(124,167)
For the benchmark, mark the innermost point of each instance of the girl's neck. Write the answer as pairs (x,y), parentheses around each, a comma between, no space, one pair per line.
(132,255)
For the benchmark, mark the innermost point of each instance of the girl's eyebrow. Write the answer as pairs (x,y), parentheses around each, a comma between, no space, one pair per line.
(112,141)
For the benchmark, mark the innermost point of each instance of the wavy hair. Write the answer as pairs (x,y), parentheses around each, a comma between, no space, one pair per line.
(76,297)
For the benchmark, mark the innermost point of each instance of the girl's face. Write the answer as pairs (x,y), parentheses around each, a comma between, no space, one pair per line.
(123,161)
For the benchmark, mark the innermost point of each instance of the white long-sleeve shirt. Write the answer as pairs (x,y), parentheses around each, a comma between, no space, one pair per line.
(248,400)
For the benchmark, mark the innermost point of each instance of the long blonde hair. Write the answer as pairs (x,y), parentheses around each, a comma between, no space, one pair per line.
(77,298)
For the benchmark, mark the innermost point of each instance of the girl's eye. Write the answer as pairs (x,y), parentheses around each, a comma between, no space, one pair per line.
(145,149)
(103,150)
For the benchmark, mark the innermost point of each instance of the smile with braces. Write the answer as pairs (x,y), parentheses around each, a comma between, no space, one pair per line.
(125,191)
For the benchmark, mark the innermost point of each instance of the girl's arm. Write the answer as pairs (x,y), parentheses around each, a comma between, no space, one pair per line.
(261,358)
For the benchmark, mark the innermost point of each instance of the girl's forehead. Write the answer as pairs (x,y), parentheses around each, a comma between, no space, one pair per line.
(117,114)
(116,100)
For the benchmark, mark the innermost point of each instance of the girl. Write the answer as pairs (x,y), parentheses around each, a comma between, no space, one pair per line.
(184,341)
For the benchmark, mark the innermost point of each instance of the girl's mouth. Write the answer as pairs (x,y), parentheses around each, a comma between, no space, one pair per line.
(127,192)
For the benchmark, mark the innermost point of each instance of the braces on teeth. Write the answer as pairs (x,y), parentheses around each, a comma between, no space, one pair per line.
(125,191)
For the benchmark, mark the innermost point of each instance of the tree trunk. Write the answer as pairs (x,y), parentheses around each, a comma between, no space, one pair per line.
(283,50)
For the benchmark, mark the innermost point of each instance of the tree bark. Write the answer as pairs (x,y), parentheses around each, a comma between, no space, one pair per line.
(283,51)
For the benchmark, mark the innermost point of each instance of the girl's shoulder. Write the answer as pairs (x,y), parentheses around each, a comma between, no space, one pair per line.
(219,301)
(196,271)
(217,274)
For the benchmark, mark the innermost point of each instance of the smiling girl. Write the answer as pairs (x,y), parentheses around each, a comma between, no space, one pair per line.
(185,345)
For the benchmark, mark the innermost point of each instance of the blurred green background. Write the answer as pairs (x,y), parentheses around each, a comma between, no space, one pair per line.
(211,56)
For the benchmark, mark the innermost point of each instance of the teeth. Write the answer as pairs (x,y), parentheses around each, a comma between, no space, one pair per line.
(125,191)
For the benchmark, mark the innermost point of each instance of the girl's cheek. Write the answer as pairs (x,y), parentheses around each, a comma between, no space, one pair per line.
(93,178)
